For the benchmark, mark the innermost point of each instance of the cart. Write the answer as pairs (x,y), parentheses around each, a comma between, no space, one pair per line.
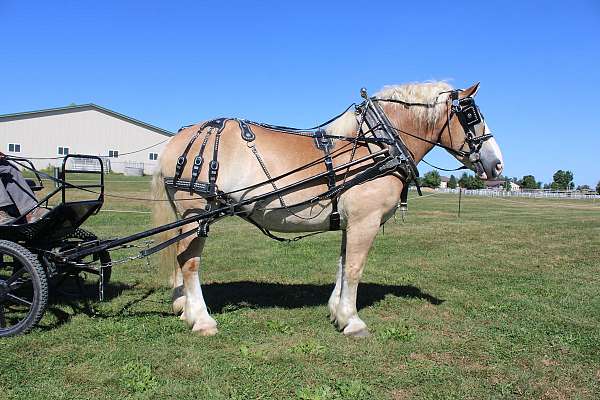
(27,268)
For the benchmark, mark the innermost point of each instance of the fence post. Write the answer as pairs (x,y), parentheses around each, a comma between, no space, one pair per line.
(459,200)
(56,173)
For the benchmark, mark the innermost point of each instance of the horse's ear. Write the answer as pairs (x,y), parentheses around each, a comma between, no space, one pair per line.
(470,91)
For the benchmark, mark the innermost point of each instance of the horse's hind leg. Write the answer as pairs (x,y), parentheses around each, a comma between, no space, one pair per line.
(195,312)
(359,238)
(178,296)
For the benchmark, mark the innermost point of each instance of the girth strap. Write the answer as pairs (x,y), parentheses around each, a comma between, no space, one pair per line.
(404,196)
(326,144)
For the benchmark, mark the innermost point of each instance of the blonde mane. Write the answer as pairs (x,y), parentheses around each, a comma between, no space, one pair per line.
(425,92)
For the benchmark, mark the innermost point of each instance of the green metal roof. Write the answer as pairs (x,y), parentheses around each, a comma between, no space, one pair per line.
(82,107)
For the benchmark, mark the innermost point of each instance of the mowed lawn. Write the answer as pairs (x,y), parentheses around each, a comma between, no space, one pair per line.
(501,303)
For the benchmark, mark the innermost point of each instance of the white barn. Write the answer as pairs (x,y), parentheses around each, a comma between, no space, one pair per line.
(83,129)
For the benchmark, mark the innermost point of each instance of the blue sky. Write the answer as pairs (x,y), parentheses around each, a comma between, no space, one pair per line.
(298,63)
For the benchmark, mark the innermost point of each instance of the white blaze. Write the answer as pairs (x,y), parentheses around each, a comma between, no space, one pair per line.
(491,156)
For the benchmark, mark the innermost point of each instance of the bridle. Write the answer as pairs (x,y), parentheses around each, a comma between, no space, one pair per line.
(469,116)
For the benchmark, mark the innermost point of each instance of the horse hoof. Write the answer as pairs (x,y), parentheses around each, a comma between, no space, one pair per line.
(205,331)
(178,305)
(361,333)
(356,328)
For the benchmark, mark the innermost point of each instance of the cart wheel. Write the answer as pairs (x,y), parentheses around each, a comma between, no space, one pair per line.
(103,256)
(23,289)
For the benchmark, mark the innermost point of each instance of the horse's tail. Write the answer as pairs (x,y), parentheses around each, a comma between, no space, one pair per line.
(163,213)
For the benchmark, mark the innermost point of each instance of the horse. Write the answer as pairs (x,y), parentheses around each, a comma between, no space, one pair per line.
(421,114)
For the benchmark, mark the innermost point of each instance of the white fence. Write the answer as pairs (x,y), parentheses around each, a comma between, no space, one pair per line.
(533,194)
(87,164)
(110,165)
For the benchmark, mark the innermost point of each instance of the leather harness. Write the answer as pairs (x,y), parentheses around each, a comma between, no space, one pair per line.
(399,159)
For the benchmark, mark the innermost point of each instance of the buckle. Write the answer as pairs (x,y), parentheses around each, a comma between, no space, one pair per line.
(334,221)
(203,229)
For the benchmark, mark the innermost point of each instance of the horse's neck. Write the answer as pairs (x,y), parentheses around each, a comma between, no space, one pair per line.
(402,119)
(345,125)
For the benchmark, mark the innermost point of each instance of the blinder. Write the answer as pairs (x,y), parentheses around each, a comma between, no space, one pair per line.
(471,112)
(469,116)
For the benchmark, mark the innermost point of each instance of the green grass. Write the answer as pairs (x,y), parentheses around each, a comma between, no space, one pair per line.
(501,303)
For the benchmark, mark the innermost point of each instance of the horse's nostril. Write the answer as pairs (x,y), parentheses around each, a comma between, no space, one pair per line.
(499,167)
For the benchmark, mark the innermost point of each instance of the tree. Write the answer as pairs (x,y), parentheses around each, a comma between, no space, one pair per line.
(432,179)
(452,182)
(473,182)
(476,183)
(563,180)
(506,185)
(463,180)
(470,182)
(529,182)
(582,188)
(598,187)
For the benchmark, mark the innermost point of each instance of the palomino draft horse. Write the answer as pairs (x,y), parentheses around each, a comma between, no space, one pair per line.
(238,159)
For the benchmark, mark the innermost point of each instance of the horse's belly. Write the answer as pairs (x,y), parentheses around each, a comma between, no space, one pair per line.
(276,218)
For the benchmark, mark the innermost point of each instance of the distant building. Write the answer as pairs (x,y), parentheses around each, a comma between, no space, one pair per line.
(444,182)
(84,129)
(499,185)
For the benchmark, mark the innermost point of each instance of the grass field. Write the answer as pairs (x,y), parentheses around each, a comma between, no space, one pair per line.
(501,303)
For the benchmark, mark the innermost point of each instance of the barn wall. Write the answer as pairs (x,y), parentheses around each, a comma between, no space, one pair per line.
(87,131)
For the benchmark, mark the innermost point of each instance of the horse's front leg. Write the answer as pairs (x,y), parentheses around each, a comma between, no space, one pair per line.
(334,299)
(195,312)
(359,238)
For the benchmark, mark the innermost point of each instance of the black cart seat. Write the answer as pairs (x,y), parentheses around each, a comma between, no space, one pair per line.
(58,223)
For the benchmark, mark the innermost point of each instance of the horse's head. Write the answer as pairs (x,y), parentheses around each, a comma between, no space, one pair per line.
(468,137)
